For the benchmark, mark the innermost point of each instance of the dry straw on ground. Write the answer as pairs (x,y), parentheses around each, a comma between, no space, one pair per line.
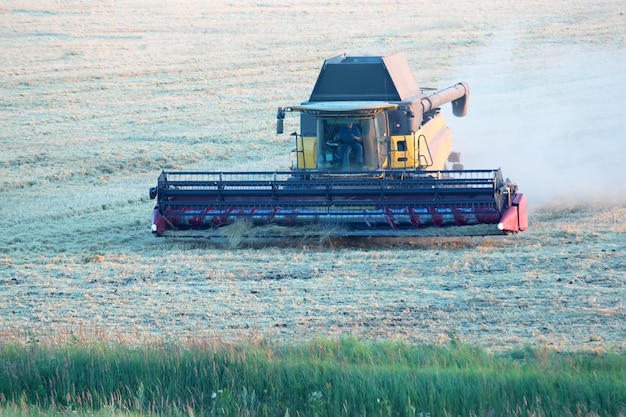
(96,99)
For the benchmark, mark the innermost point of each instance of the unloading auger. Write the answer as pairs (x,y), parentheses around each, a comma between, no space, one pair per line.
(373,152)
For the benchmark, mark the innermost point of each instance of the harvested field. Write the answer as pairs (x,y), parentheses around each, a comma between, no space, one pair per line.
(97,99)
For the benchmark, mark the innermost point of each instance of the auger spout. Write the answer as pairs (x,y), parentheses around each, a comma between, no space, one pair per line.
(457,94)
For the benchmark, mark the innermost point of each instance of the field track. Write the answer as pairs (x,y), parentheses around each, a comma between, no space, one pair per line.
(97,99)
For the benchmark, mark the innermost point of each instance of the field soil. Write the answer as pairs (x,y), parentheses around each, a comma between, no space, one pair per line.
(98,97)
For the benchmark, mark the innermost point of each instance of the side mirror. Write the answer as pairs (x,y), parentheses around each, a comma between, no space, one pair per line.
(414,117)
(280,118)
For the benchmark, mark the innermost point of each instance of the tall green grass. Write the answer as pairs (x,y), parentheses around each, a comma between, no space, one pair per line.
(344,377)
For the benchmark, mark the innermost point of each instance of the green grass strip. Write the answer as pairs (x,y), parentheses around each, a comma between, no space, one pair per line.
(344,377)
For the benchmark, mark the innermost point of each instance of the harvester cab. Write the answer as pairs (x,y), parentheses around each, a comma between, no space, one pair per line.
(373,152)
(399,126)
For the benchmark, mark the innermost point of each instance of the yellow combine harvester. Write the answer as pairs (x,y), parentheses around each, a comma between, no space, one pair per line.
(373,152)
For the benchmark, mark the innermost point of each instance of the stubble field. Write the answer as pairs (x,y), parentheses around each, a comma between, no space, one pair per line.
(96,99)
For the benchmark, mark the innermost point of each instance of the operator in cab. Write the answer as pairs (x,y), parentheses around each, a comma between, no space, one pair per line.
(350,142)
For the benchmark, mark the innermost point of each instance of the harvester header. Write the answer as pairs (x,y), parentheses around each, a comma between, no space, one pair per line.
(373,152)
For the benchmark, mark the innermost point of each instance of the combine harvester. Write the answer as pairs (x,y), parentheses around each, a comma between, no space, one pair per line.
(373,157)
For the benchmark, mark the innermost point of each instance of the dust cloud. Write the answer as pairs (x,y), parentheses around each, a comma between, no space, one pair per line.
(551,117)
